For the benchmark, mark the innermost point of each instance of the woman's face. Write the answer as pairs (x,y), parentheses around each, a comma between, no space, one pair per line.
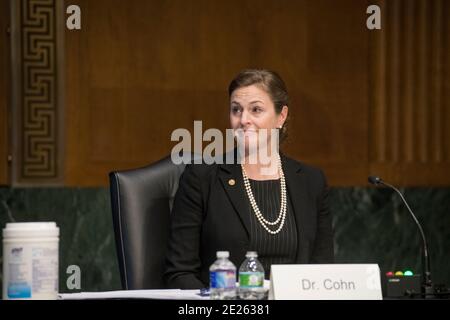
(252,109)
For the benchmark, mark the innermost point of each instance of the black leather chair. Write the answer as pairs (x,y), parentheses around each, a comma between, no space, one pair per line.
(141,202)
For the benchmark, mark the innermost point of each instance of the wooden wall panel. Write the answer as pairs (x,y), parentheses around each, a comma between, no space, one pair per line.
(4,91)
(362,101)
(138,70)
(330,102)
(409,136)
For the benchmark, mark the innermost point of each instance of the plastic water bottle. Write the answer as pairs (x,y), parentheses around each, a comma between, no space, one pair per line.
(251,278)
(222,278)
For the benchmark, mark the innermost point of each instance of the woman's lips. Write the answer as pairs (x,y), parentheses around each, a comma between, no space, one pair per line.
(246,133)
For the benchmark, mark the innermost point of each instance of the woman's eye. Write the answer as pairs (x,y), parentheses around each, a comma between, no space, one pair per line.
(256,109)
(235,110)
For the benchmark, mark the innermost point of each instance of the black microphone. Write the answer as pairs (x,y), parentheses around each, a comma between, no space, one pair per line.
(427,285)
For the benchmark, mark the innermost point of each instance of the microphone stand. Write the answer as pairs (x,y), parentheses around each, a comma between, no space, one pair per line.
(427,285)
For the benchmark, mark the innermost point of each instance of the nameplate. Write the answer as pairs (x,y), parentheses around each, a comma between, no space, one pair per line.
(325,282)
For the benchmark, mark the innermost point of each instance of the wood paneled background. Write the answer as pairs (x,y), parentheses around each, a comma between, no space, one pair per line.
(362,101)
(4,90)
(409,101)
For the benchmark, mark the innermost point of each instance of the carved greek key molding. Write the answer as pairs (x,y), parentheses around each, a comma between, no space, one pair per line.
(37,108)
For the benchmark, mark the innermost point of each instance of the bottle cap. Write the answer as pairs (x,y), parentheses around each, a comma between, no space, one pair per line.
(223,254)
(251,254)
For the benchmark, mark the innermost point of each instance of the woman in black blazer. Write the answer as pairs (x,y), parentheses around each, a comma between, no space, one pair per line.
(282,214)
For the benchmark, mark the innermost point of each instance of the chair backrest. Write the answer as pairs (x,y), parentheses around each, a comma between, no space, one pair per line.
(141,201)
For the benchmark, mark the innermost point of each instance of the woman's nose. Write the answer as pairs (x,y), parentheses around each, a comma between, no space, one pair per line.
(245,119)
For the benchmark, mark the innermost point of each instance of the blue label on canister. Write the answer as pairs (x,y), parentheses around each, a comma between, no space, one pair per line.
(223,279)
(19,290)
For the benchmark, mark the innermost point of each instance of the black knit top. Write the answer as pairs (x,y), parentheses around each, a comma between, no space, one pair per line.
(280,248)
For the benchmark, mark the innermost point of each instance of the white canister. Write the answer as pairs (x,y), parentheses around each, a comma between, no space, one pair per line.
(30,260)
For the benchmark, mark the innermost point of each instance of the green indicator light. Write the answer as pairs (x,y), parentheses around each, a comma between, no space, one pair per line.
(408,273)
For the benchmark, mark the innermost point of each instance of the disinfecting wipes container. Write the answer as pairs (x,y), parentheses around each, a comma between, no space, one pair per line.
(30,260)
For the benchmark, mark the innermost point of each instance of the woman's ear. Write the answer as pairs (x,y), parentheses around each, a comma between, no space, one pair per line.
(283,116)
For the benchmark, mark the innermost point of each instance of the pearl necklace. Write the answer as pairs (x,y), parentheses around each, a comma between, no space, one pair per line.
(282,216)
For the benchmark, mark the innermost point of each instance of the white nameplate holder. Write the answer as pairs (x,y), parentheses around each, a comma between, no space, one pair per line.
(325,282)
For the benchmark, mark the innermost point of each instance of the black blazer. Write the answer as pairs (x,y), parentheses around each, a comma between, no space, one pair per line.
(210,214)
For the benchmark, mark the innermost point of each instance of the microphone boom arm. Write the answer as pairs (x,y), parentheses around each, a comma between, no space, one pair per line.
(426,271)
(426,283)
